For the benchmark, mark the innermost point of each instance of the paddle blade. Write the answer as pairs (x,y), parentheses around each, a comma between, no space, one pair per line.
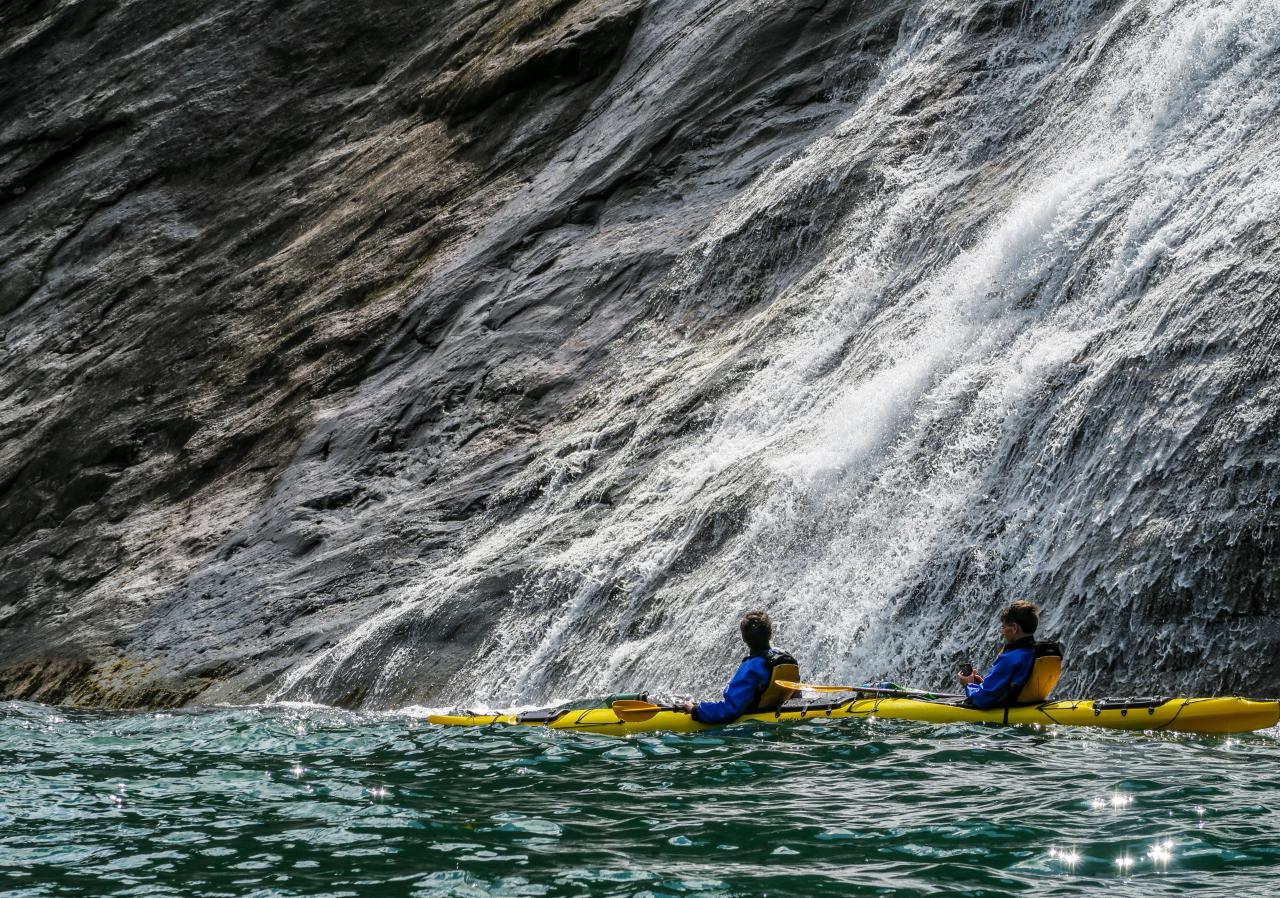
(631,710)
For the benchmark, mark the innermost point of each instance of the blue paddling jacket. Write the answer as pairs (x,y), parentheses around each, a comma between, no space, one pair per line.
(1006,677)
(749,682)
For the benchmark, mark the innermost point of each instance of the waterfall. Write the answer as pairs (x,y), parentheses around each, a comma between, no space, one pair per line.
(1000,324)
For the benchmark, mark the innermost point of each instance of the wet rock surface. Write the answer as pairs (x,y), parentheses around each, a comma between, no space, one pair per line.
(215,222)
(346,349)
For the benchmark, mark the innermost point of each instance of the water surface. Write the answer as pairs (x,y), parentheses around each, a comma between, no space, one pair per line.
(284,801)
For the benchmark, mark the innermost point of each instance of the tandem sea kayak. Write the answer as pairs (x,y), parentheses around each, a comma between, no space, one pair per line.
(1187,715)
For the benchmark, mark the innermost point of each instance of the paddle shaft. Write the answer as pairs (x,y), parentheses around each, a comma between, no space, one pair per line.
(633,711)
(871,690)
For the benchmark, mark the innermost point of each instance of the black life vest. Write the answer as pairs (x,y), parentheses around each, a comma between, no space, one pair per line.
(781,666)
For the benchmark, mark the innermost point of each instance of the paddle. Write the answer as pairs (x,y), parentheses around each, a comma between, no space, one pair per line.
(634,711)
(873,690)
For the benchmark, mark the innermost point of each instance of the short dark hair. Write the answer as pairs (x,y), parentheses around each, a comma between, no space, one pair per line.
(1025,614)
(756,629)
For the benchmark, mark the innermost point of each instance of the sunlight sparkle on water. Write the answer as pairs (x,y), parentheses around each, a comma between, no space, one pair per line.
(1116,800)
(1124,862)
(1067,856)
(1161,852)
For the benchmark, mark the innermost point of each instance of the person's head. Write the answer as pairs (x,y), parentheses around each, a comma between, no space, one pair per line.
(756,630)
(1018,620)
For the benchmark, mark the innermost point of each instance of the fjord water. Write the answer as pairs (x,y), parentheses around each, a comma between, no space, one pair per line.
(283,801)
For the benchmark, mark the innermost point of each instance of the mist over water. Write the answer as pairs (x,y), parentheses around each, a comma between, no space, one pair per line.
(980,360)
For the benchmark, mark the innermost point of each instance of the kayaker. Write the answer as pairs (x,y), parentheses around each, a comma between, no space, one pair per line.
(751,679)
(1012,667)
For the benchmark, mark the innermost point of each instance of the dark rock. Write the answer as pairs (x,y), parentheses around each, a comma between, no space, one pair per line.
(379,353)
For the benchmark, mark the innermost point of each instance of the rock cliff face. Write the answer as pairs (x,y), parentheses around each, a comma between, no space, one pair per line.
(212,220)
(390,352)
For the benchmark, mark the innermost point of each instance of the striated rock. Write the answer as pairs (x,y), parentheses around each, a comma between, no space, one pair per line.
(386,354)
(210,222)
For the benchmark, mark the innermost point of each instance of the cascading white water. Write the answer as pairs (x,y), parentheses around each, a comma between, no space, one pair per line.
(900,422)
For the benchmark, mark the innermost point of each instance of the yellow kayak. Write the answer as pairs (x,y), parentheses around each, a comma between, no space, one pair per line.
(1188,715)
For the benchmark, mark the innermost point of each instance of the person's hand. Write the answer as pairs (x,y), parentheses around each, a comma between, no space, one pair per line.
(687,707)
(966,679)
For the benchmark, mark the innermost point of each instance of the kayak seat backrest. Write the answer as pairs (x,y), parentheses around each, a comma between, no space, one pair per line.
(1045,671)
(775,694)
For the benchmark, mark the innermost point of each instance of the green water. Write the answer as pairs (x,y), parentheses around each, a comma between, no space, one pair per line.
(287,801)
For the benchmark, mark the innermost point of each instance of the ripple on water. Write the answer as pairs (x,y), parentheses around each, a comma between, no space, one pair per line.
(299,802)
(508,822)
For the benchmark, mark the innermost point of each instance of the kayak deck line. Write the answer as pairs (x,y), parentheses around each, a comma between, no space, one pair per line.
(1191,714)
